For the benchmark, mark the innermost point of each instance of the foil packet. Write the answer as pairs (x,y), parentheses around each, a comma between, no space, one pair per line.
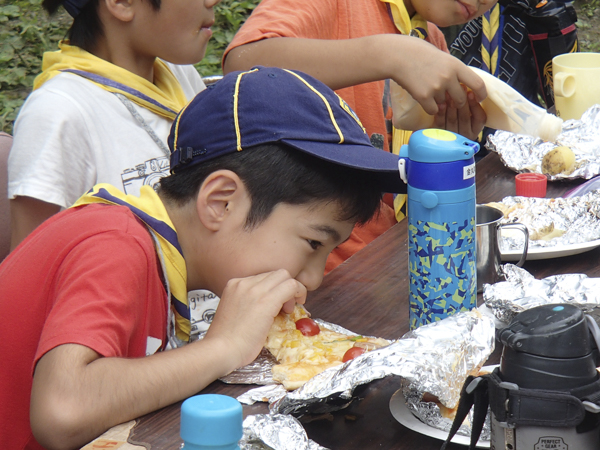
(551,222)
(435,358)
(523,153)
(522,291)
(257,372)
(431,414)
(275,432)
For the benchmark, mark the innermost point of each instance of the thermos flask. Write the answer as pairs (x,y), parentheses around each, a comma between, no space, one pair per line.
(439,169)
(546,392)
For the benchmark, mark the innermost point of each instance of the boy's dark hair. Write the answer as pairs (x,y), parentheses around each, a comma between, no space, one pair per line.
(275,173)
(86,27)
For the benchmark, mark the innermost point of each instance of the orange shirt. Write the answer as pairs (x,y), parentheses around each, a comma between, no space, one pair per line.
(338,19)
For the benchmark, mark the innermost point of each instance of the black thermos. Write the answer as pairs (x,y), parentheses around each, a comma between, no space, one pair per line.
(546,392)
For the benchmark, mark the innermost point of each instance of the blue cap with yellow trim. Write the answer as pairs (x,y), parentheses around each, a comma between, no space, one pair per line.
(266,105)
(74,7)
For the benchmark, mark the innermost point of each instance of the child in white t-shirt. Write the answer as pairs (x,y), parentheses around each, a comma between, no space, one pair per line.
(103,106)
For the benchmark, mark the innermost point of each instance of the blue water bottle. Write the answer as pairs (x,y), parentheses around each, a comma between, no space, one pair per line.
(439,169)
(211,422)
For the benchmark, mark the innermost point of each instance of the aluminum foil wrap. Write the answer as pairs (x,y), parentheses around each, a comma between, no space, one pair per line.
(551,221)
(435,358)
(430,414)
(522,291)
(523,153)
(275,432)
(257,372)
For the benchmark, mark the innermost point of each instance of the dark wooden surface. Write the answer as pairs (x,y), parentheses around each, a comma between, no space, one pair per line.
(369,294)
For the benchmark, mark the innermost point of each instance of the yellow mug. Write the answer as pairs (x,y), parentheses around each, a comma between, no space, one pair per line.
(576,83)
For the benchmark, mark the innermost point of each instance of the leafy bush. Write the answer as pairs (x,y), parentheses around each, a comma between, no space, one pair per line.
(229,17)
(26,32)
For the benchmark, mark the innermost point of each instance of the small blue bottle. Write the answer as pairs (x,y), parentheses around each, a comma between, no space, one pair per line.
(439,169)
(211,422)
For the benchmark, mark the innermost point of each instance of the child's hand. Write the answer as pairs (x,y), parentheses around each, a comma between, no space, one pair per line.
(467,121)
(247,309)
(431,75)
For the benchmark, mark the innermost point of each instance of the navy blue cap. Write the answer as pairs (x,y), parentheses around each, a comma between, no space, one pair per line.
(267,105)
(74,7)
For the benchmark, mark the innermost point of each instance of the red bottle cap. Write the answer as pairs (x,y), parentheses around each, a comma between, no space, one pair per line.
(531,184)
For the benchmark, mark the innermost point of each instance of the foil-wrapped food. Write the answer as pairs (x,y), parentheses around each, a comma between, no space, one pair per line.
(551,221)
(435,358)
(431,412)
(574,154)
(522,291)
(275,432)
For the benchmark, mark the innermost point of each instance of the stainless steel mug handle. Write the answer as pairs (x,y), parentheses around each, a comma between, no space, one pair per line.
(523,229)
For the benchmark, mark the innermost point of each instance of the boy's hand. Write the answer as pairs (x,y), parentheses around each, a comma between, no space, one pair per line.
(433,75)
(467,121)
(247,309)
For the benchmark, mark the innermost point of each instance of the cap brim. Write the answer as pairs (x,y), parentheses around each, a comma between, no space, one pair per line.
(357,156)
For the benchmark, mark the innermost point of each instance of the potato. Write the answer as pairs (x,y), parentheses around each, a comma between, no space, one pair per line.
(558,160)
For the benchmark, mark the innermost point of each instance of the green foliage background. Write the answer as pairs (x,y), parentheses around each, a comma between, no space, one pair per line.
(26,32)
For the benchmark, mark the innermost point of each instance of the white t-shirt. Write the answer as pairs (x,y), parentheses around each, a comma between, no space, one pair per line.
(71,134)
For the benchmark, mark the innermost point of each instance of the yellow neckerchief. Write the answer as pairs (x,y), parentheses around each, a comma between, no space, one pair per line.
(149,209)
(404,23)
(415,26)
(165,97)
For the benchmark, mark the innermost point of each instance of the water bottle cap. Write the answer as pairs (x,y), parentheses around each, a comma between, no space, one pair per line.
(553,330)
(211,420)
(438,146)
(531,185)
(549,347)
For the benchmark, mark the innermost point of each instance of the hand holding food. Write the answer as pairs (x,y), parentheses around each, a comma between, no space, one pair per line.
(246,312)
(304,349)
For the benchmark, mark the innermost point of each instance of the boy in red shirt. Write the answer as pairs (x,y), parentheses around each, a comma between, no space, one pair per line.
(255,203)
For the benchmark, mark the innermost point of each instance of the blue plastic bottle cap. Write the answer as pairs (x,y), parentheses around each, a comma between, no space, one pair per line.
(211,420)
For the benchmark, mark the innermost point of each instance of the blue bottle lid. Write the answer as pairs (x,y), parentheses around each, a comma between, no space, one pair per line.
(211,421)
(438,146)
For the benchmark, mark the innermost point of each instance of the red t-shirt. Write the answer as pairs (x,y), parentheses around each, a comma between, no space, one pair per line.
(87,276)
(338,19)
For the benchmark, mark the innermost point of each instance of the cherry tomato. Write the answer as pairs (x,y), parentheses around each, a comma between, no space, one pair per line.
(352,353)
(307,327)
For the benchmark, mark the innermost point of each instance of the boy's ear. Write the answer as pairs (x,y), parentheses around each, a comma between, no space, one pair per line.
(122,10)
(221,195)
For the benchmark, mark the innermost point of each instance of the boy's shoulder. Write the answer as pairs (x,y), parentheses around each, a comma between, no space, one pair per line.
(76,89)
(80,223)
(68,92)
(84,236)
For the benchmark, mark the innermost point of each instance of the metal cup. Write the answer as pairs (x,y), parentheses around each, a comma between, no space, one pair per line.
(488,257)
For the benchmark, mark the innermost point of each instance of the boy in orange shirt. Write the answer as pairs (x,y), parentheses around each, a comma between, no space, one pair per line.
(353,46)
